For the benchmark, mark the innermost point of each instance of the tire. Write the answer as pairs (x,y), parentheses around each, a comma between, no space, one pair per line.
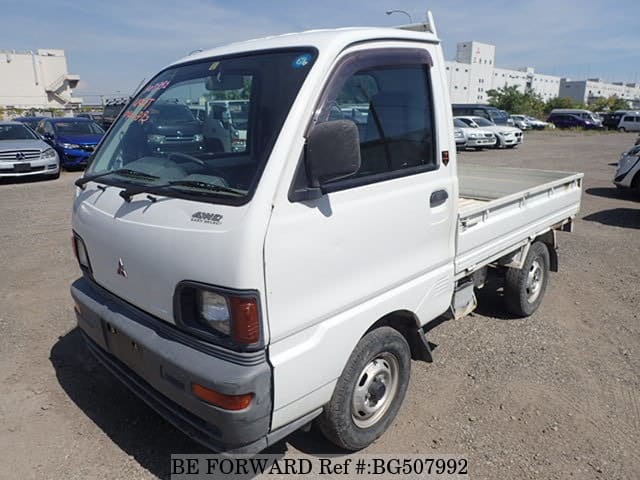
(512,146)
(524,288)
(622,129)
(498,142)
(378,367)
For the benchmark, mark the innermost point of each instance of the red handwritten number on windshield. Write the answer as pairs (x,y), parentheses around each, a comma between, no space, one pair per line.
(157,86)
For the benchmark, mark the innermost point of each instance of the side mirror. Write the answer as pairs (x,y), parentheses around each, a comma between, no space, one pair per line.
(333,152)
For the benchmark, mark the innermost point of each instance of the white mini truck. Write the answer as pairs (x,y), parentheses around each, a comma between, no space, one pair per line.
(243,293)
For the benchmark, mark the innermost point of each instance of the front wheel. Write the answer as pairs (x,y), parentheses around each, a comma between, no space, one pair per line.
(525,287)
(369,392)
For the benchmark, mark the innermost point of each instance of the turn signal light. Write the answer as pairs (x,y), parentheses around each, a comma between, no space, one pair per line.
(228,402)
(246,320)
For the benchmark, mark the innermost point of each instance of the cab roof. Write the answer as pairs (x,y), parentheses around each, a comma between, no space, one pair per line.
(330,40)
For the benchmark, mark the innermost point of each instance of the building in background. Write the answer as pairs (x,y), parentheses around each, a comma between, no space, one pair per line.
(37,81)
(587,91)
(474,73)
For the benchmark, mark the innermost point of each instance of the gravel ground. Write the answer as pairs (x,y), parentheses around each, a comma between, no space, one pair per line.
(552,396)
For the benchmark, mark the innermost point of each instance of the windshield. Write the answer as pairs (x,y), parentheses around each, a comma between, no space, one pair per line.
(203,156)
(16,132)
(78,128)
(482,122)
(459,123)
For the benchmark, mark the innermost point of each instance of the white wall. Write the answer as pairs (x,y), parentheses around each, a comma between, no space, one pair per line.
(25,77)
(474,73)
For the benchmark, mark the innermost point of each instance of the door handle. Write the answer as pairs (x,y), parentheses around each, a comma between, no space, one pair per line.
(438,198)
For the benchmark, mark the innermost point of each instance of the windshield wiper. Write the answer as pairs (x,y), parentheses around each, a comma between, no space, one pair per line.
(121,171)
(210,187)
(129,192)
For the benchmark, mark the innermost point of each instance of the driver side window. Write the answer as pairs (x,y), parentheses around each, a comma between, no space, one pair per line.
(392,108)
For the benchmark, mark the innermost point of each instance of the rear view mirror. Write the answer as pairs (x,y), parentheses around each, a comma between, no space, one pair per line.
(333,152)
(222,81)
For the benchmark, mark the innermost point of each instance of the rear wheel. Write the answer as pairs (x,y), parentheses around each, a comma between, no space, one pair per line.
(369,392)
(524,288)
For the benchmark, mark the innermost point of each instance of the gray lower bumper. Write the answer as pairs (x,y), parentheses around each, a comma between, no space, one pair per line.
(159,366)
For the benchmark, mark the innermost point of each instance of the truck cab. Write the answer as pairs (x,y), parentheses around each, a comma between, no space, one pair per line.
(244,293)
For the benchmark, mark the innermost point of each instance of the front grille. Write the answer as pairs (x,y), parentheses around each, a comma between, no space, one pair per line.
(488,135)
(19,155)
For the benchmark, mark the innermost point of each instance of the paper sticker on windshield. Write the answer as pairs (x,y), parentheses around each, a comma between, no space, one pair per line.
(214,65)
(302,60)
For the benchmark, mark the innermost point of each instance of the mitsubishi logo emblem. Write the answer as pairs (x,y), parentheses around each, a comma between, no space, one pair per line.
(20,156)
(121,270)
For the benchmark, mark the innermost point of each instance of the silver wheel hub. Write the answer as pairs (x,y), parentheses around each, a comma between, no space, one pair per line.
(375,389)
(535,278)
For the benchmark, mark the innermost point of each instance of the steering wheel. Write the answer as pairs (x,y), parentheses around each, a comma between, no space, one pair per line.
(187,157)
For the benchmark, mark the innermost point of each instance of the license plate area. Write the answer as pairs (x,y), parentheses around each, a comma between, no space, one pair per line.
(123,348)
(22,167)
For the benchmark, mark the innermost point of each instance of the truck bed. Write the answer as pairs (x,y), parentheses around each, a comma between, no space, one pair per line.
(501,209)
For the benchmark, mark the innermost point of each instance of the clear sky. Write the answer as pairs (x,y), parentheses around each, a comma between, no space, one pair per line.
(114,44)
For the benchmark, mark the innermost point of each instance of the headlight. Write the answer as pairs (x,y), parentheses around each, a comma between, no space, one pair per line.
(48,154)
(475,135)
(70,146)
(458,134)
(156,138)
(214,310)
(198,137)
(226,317)
(506,133)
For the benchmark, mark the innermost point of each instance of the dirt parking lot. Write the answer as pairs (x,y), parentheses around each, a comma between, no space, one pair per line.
(555,396)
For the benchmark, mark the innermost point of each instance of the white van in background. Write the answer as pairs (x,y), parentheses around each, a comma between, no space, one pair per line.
(630,122)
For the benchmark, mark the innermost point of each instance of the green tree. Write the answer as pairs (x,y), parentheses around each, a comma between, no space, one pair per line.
(561,102)
(610,104)
(514,101)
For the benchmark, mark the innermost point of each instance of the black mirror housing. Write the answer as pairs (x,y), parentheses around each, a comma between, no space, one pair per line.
(332,152)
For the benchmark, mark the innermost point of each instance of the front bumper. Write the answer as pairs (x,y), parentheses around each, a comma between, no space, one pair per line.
(29,167)
(159,363)
(72,157)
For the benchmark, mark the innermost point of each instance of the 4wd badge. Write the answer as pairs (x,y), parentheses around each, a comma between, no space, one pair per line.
(206,217)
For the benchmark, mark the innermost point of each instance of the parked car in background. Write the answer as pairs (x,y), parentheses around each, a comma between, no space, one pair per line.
(587,115)
(111,111)
(628,172)
(538,124)
(506,136)
(31,122)
(493,114)
(74,139)
(458,134)
(521,122)
(95,116)
(568,120)
(474,137)
(630,122)
(24,153)
(172,127)
(610,121)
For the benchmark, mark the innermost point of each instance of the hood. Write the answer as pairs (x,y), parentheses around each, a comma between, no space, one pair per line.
(23,145)
(80,139)
(501,128)
(163,243)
